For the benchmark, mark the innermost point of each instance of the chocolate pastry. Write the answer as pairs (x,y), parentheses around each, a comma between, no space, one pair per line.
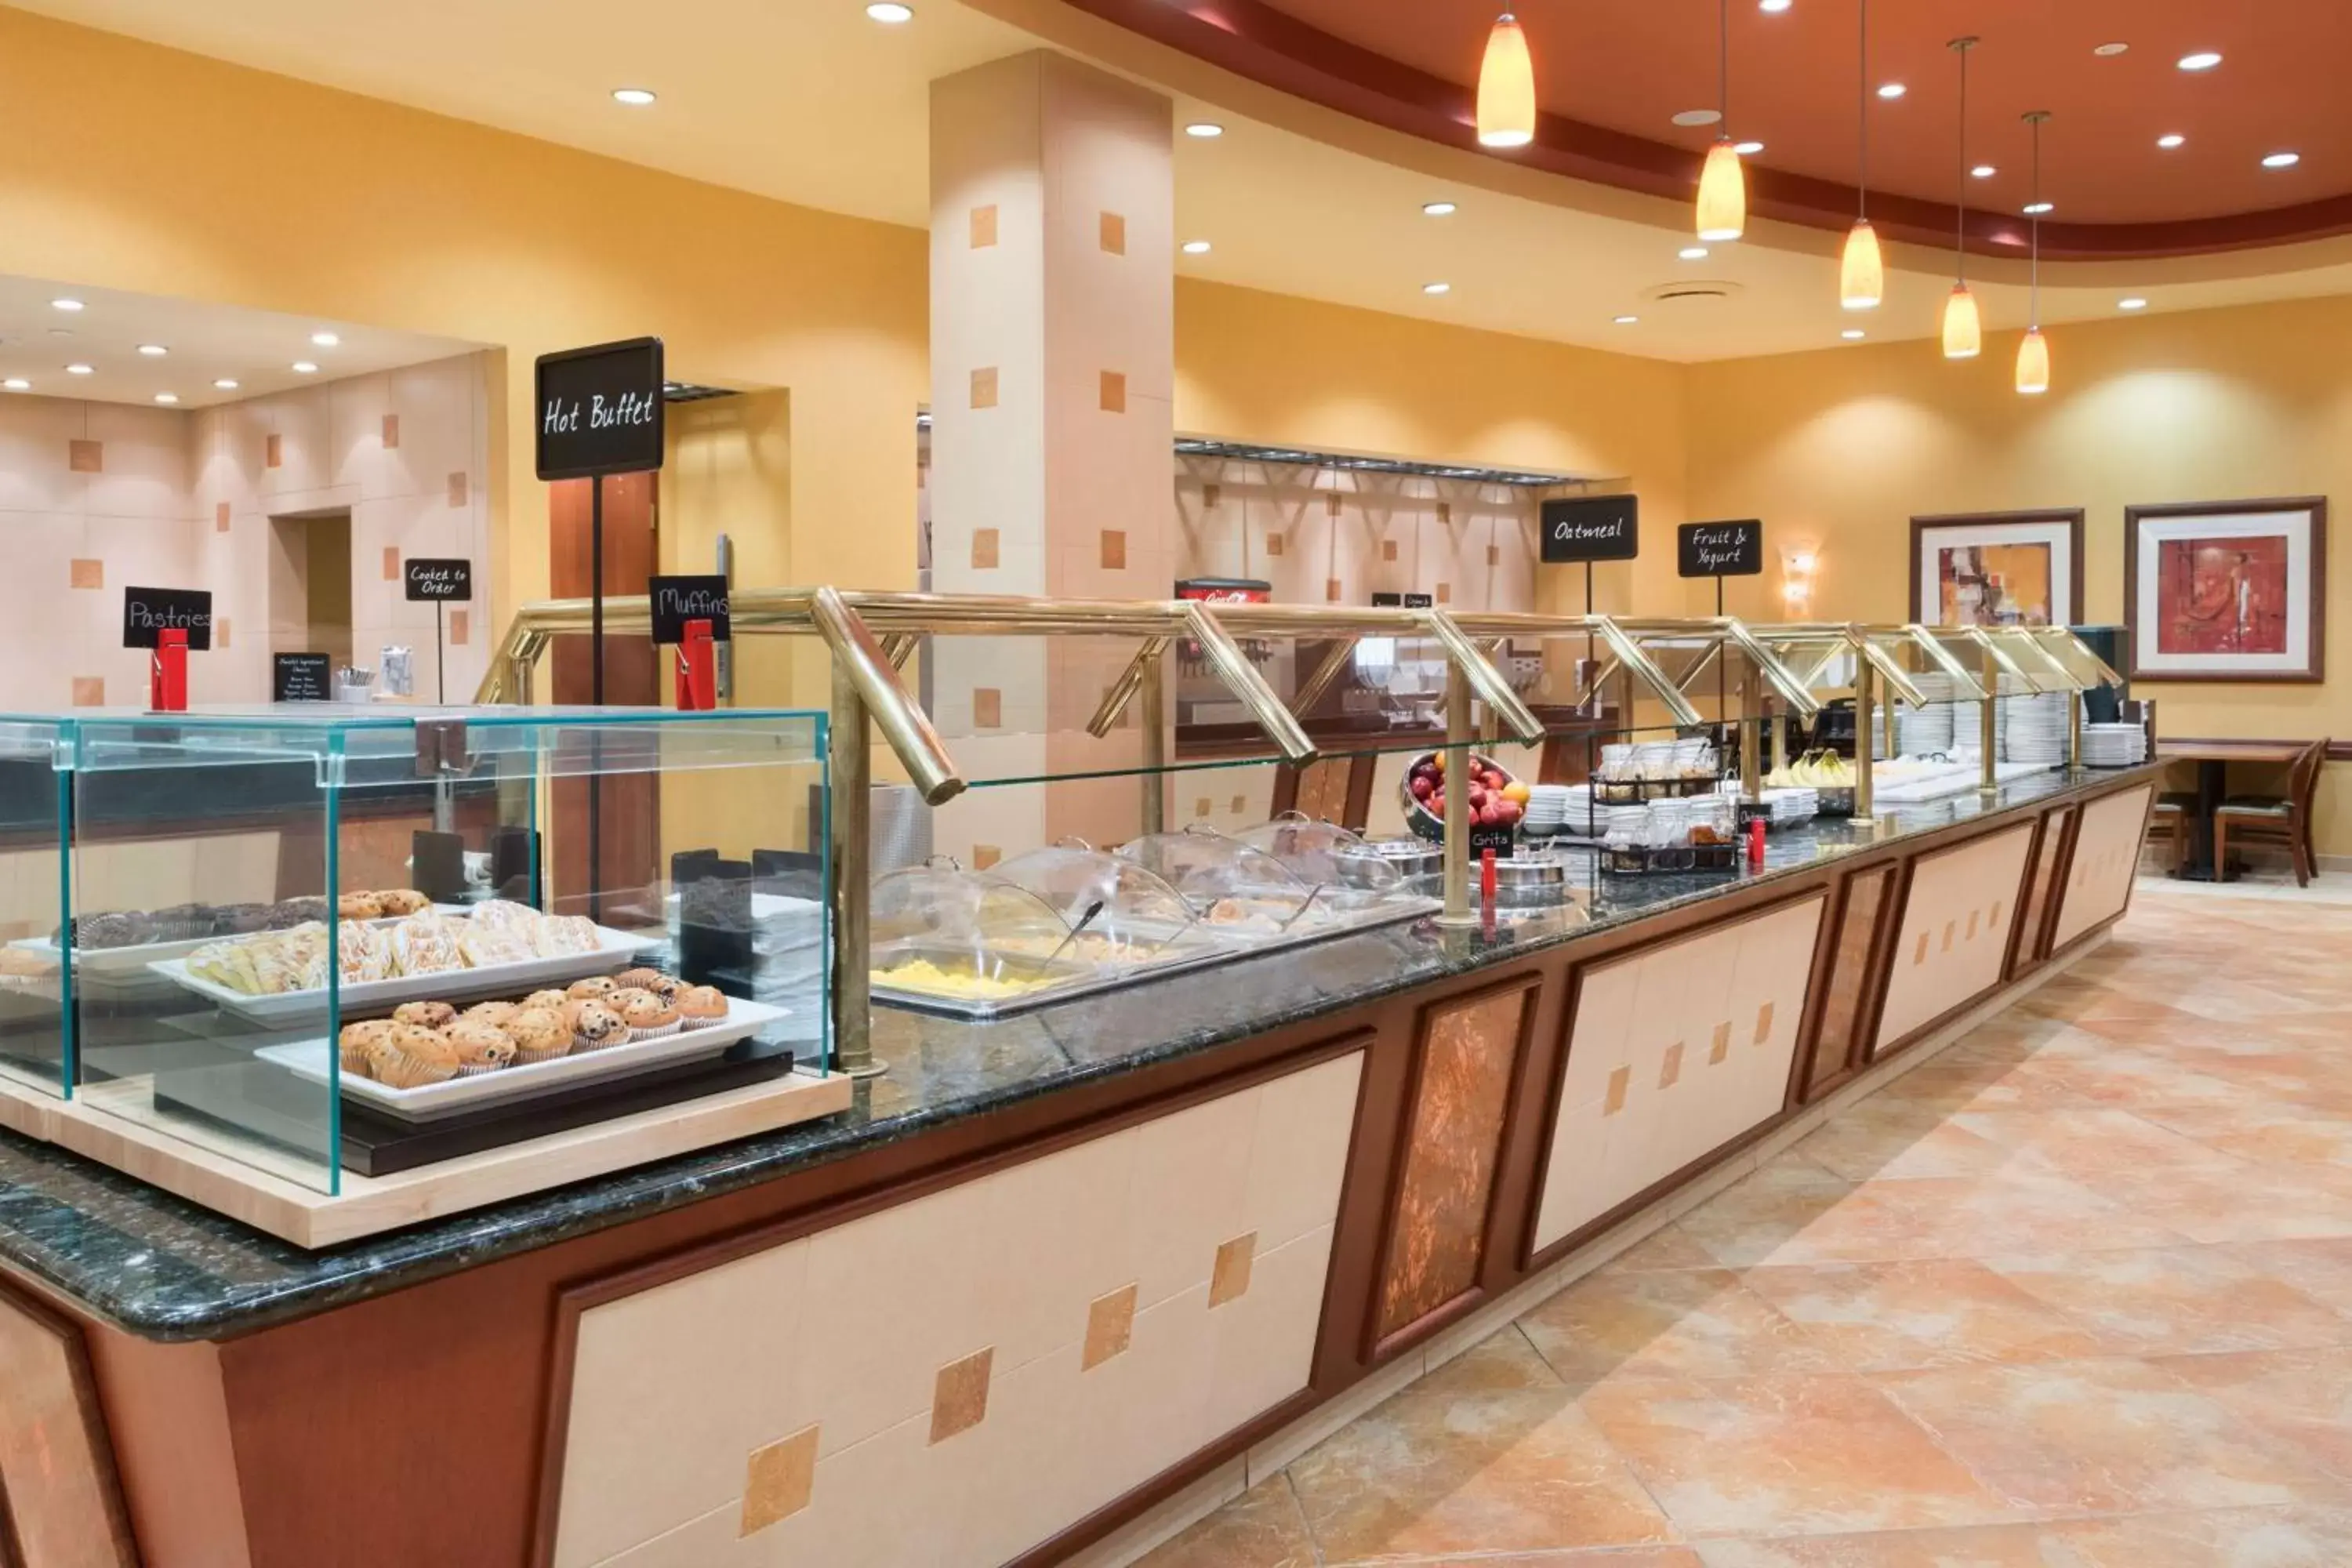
(288,913)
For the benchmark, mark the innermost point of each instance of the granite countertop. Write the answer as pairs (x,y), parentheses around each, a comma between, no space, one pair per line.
(167,1269)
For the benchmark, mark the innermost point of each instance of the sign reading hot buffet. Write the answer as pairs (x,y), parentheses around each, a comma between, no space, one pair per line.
(149,611)
(438,578)
(300,678)
(1591,528)
(1720,549)
(677,600)
(600,409)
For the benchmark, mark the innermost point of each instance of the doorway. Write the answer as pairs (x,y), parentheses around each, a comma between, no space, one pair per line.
(311,584)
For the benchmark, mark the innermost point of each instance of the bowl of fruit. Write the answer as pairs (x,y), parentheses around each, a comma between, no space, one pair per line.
(1492,796)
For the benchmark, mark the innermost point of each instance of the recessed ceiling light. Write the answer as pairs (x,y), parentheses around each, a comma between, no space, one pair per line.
(2035,209)
(325,340)
(1698,117)
(2134,303)
(1892,89)
(2170,139)
(889,13)
(1196,247)
(65,304)
(1852,333)
(17,383)
(1748,149)
(2202,60)
(1983,172)
(2281,160)
(1438,209)
(2108,51)
(167,397)
(1626,320)
(1437,288)
(1693,253)
(154,351)
(304,367)
(635,97)
(1204,129)
(227,383)
(77,368)
(1772,7)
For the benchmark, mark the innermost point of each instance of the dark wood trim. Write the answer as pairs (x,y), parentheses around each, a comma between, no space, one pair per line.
(2071,516)
(1819,976)
(2314,672)
(1874,1016)
(2044,938)
(2337,750)
(1361,772)
(2018,935)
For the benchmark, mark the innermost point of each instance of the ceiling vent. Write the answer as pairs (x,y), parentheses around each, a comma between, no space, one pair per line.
(1690,288)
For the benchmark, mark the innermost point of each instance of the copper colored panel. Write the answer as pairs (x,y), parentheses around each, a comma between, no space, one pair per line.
(220,518)
(983,549)
(1113,233)
(984,387)
(63,1508)
(1229,1278)
(85,457)
(1331,589)
(1848,977)
(1114,392)
(1114,550)
(88,574)
(1274,544)
(1387,550)
(779,1480)
(461,625)
(988,708)
(392,432)
(1437,1235)
(457,488)
(983,226)
(960,1394)
(1110,1327)
(1446,593)
(89,692)
(392,562)
(273,451)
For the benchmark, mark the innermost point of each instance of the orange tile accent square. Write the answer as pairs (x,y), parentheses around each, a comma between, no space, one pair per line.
(1619,1082)
(89,692)
(984,387)
(1114,392)
(988,708)
(1494,556)
(1229,1279)
(1200,807)
(87,573)
(1240,804)
(1387,550)
(983,226)
(1331,503)
(1949,927)
(1274,544)
(1331,589)
(1670,1070)
(1994,917)
(392,562)
(983,856)
(1721,1046)
(461,625)
(457,488)
(220,518)
(220,631)
(1113,233)
(273,451)
(960,1394)
(1763,1023)
(1211,495)
(1444,593)
(1972,927)
(779,1480)
(1444,511)
(1114,550)
(1919,953)
(1110,1327)
(392,432)
(983,549)
(85,457)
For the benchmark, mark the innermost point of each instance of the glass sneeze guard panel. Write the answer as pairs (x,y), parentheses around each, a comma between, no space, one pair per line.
(36,972)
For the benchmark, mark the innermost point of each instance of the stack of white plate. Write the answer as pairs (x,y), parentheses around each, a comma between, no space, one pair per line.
(1792,804)
(1920,731)
(2035,730)
(2114,746)
(1548,807)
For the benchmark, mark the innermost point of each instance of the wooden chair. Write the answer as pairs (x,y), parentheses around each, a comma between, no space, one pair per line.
(2275,818)
(2169,824)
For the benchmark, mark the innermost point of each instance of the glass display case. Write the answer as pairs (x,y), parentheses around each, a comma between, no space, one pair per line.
(36,979)
(315,943)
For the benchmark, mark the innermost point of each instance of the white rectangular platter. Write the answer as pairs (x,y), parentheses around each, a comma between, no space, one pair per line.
(139,955)
(309,1059)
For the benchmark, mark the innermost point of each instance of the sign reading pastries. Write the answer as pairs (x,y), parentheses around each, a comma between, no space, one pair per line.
(148,611)
(1591,528)
(438,579)
(300,678)
(599,409)
(677,600)
(1734,549)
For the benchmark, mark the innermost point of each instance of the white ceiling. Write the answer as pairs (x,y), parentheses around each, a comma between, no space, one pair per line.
(256,349)
(809,102)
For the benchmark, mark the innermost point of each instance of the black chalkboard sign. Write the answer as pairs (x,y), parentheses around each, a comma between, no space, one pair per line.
(1591,528)
(1403,601)
(1499,839)
(599,409)
(677,600)
(1734,549)
(302,677)
(146,611)
(434,578)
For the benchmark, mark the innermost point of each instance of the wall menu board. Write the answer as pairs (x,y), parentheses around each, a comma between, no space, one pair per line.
(1734,549)
(147,611)
(599,409)
(677,600)
(1591,528)
(300,678)
(438,577)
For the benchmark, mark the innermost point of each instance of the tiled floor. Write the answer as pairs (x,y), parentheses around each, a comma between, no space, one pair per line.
(2076,1294)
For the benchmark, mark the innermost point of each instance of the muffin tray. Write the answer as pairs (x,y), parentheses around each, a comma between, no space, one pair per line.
(311,1059)
(617,950)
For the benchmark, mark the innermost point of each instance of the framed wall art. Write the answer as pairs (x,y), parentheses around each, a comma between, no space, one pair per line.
(1998,568)
(2226,590)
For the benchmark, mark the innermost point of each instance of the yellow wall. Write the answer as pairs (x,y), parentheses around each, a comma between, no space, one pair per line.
(1840,449)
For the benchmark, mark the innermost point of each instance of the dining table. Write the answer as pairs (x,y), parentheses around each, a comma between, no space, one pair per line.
(2213,758)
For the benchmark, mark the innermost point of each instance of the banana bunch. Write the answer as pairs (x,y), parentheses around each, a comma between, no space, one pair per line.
(1814,770)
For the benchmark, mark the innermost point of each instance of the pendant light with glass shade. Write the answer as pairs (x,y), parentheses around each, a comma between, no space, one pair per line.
(1507,87)
(1862,272)
(2033,351)
(1963,330)
(1723,183)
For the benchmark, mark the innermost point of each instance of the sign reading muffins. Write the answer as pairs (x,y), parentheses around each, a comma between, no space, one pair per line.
(677,600)
(147,612)
(599,409)
(1591,528)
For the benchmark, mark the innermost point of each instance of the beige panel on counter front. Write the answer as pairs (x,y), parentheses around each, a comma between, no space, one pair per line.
(1955,934)
(2107,857)
(1674,1052)
(953,1380)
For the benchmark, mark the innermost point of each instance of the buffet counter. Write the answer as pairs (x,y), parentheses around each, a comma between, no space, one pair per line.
(1045,1272)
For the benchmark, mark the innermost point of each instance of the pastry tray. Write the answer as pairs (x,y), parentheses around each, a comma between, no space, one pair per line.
(309,1059)
(139,955)
(617,950)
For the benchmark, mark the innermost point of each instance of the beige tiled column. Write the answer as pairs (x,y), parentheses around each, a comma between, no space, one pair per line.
(1053,347)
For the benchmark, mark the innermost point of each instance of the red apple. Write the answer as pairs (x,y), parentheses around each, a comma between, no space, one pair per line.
(1424,786)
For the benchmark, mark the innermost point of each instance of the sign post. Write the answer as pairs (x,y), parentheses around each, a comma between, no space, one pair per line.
(1590,529)
(1721,549)
(439,579)
(173,623)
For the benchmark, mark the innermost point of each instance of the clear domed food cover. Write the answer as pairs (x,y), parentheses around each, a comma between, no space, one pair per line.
(1236,888)
(1123,913)
(944,933)
(1323,854)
